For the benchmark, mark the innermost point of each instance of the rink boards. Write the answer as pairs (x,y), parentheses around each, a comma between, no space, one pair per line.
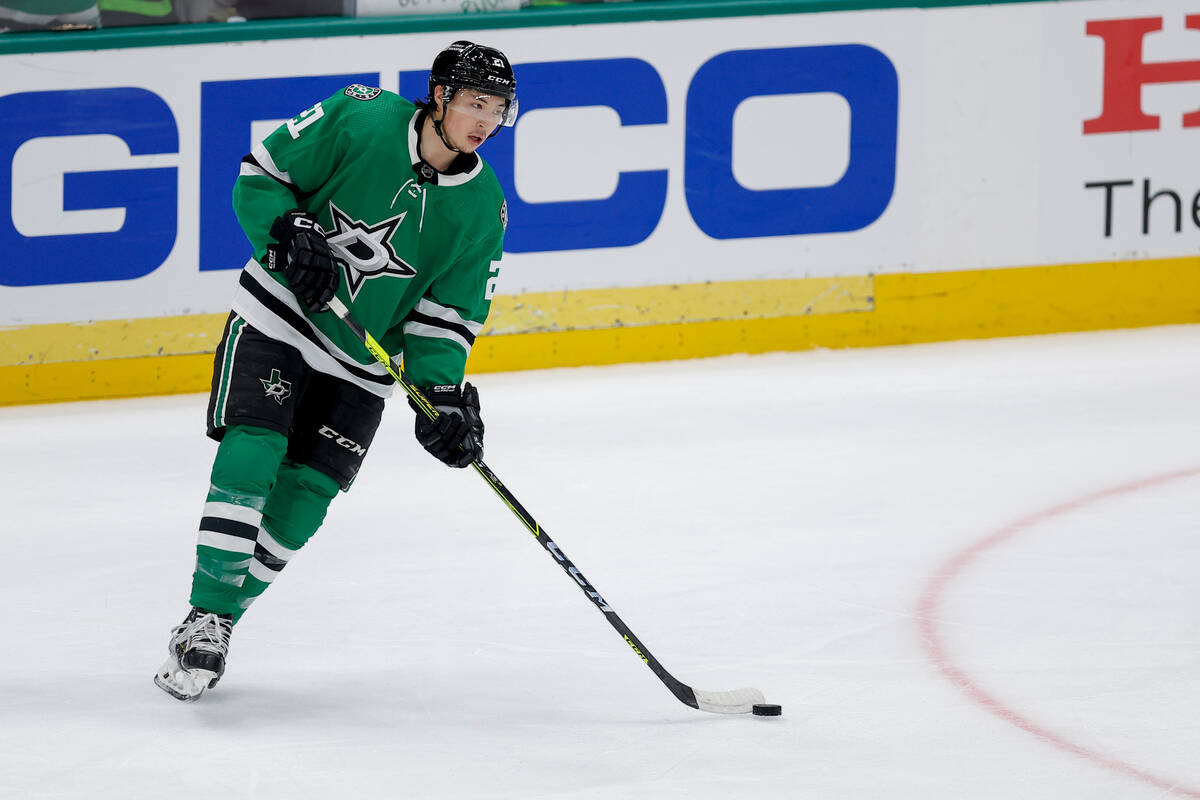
(677,188)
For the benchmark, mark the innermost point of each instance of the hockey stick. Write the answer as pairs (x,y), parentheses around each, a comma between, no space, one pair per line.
(738,701)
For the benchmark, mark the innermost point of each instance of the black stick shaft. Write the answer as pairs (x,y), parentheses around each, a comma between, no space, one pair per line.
(682,691)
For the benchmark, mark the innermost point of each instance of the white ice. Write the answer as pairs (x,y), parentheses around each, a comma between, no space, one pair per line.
(966,570)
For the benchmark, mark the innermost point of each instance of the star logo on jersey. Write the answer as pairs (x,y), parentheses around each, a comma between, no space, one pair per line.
(277,387)
(365,251)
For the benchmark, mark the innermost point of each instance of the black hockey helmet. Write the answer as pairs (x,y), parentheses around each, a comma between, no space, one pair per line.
(466,65)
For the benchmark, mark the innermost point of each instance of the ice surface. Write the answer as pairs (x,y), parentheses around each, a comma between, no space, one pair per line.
(778,521)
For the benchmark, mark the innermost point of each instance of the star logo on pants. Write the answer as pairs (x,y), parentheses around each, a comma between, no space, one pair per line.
(276,387)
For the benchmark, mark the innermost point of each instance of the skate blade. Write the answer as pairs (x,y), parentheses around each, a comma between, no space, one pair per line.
(183,684)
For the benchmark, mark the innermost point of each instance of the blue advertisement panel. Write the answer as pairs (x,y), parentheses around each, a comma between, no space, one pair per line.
(627,166)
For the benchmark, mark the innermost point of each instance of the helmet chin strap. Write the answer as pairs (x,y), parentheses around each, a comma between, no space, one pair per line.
(437,125)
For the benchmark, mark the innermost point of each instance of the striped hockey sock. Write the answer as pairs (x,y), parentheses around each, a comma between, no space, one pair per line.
(225,546)
(243,474)
(294,510)
(270,557)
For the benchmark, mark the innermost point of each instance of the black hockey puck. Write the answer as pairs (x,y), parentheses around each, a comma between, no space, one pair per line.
(766,710)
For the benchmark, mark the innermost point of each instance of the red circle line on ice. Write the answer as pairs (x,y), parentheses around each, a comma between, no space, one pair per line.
(929,621)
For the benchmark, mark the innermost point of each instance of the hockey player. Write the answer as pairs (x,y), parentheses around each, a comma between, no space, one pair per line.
(385,204)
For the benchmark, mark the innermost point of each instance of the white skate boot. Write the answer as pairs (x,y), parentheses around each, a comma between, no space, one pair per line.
(197,653)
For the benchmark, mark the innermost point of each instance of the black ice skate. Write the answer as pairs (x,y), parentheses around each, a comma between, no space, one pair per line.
(197,651)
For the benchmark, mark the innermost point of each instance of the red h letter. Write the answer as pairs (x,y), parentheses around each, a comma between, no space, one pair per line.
(1125,73)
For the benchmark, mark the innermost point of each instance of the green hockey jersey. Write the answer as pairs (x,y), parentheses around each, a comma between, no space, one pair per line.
(417,249)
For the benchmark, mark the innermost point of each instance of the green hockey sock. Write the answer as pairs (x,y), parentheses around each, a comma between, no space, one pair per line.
(242,476)
(294,510)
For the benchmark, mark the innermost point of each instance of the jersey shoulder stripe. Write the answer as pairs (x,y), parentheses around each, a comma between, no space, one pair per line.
(462,331)
(251,168)
(436,321)
(262,159)
(416,326)
(447,316)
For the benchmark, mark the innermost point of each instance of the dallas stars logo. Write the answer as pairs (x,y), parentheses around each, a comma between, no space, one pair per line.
(365,251)
(360,92)
(276,387)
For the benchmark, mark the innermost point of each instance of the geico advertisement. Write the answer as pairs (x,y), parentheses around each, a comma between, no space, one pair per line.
(655,153)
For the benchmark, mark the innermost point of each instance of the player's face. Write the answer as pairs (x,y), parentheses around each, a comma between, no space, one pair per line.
(471,117)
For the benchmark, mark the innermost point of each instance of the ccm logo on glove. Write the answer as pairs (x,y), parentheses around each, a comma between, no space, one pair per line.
(456,437)
(302,254)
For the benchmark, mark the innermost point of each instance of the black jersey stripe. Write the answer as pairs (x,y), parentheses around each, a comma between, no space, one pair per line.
(252,161)
(268,560)
(438,322)
(300,325)
(242,530)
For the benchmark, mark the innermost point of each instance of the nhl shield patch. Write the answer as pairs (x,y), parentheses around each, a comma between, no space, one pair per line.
(504,216)
(360,92)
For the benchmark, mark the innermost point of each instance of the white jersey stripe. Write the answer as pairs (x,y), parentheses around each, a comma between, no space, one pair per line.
(251,169)
(433,332)
(432,309)
(262,573)
(266,162)
(249,516)
(223,541)
(266,321)
(269,543)
(236,326)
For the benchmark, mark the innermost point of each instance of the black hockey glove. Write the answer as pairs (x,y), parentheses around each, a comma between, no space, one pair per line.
(456,436)
(303,255)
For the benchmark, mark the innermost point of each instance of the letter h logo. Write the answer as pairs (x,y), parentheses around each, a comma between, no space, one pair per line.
(1125,73)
